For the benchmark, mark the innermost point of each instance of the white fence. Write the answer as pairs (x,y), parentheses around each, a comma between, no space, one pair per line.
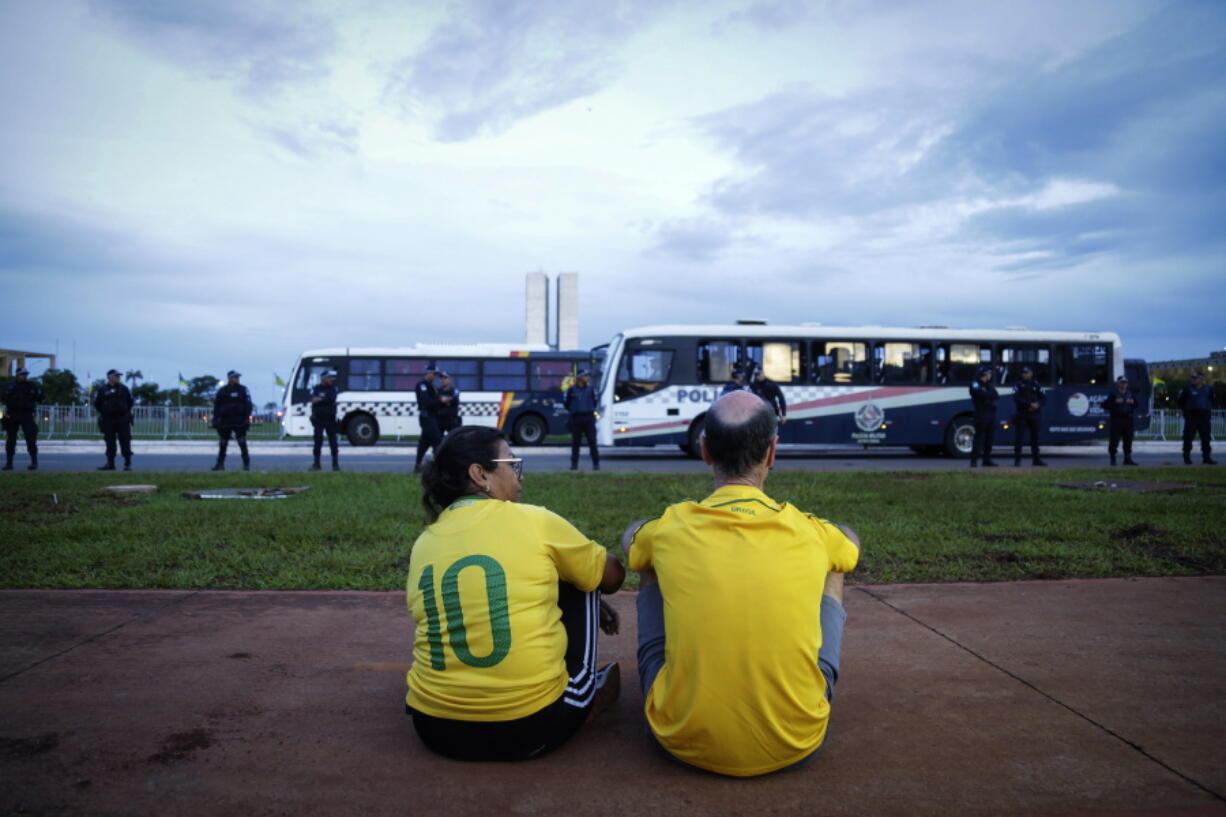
(1167,424)
(149,422)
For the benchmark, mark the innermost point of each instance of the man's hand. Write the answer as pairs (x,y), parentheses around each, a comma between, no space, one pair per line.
(610,621)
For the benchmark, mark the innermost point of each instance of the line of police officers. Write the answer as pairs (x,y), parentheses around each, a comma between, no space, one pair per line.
(1195,399)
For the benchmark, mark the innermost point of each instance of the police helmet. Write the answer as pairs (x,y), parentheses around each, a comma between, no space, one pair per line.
(583,373)
(444,374)
(1121,379)
(431,368)
(233,373)
(113,373)
(21,371)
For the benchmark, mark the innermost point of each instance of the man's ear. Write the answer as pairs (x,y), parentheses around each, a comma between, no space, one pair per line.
(702,446)
(770,452)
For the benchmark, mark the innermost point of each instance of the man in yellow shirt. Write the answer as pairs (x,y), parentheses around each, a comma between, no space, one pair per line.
(740,609)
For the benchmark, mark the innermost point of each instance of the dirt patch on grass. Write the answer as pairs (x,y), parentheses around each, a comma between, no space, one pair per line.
(1154,541)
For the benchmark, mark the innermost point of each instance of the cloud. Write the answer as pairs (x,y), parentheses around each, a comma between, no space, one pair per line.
(495,62)
(698,239)
(260,45)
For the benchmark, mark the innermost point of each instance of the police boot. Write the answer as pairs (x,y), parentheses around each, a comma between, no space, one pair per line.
(315,466)
(1039,462)
(127,463)
(1128,460)
(33,466)
(1113,459)
(974,463)
(574,465)
(595,465)
(220,465)
(1017,461)
(987,463)
(8,463)
(110,465)
(336,466)
(1209,460)
(246,463)
(1187,458)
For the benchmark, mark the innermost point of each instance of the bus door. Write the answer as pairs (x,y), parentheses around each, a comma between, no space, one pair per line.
(310,373)
(643,411)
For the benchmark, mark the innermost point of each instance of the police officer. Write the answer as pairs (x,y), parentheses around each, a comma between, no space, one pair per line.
(232,415)
(737,383)
(323,418)
(580,401)
(1028,399)
(1196,400)
(1121,411)
(449,404)
(984,397)
(428,406)
(21,396)
(769,391)
(113,403)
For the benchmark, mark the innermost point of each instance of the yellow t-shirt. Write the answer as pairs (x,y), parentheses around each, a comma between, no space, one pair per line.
(483,580)
(740,692)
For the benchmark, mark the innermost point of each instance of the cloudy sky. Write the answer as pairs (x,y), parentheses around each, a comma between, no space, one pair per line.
(194,185)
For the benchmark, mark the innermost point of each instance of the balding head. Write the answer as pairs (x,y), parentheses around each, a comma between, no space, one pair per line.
(738,432)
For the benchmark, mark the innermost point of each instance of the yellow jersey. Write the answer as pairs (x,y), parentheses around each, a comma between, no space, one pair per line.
(489,644)
(741,575)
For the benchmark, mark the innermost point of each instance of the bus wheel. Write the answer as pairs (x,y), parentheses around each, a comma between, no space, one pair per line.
(960,437)
(692,446)
(362,429)
(529,430)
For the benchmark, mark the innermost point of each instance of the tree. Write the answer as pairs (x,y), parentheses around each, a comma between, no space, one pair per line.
(133,376)
(60,388)
(148,394)
(200,391)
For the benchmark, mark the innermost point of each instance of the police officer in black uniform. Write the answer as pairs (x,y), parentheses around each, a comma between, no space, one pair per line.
(232,415)
(113,403)
(984,397)
(769,391)
(580,401)
(1028,399)
(737,383)
(1196,400)
(21,397)
(449,404)
(323,418)
(427,415)
(1121,407)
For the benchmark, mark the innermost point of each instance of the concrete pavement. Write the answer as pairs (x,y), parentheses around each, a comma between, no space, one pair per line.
(1100,697)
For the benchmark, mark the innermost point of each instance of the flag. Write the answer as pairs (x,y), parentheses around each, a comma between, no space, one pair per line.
(183,382)
(277,379)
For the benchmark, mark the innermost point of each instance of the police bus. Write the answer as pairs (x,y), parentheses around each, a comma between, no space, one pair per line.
(513,388)
(860,385)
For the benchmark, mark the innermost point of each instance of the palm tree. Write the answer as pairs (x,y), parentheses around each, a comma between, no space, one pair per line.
(133,376)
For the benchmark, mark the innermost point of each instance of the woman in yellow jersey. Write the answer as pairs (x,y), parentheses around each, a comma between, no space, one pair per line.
(505,599)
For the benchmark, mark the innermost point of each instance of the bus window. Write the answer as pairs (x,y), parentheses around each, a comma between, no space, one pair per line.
(716,359)
(310,375)
(547,375)
(364,375)
(1088,363)
(842,362)
(1014,358)
(642,371)
(780,360)
(960,362)
(403,374)
(505,375)
(464,374)
(901,362)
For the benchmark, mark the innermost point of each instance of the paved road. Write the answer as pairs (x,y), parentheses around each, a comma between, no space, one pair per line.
(295,456)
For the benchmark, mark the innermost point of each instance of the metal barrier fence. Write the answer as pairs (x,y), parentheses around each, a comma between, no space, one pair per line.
(150,422)
(1167,424)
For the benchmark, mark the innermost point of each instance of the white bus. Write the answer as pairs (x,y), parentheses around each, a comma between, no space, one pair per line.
(859,385)
(513,388)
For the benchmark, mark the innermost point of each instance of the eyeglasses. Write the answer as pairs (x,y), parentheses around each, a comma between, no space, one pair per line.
(517,465)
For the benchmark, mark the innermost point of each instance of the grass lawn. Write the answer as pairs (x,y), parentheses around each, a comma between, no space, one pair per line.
(354,531)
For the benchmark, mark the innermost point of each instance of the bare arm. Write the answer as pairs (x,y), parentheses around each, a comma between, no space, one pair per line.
(614,575)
